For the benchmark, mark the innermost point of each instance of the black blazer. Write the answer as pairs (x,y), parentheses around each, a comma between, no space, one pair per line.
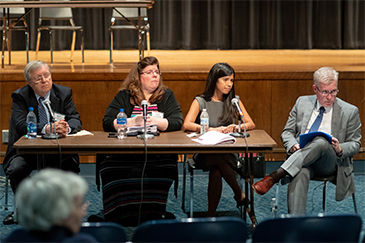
(23,98)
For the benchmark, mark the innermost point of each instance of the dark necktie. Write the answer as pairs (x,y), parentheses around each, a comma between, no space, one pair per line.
(318,120)
(42,112)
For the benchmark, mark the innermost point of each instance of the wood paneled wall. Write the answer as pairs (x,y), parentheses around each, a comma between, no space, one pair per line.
(268,96)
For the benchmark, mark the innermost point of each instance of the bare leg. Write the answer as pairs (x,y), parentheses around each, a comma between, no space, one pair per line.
(229,176)
(214,191)
(219,168)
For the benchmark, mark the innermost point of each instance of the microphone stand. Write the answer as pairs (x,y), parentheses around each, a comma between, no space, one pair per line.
(240,134)
(51,135)
(145,135)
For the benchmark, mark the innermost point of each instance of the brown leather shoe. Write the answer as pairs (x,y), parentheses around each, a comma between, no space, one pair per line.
(264,185)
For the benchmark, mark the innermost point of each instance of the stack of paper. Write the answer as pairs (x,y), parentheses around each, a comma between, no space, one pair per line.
(81,133)
(140,129)
(214,137)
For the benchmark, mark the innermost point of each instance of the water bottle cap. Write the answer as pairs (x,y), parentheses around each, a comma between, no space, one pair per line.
(121,110)
(204,109)
(30,108)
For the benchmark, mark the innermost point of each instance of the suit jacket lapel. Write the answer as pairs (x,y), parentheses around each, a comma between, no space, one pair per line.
(336,120)
(33,102)
(308,109)
(55,101)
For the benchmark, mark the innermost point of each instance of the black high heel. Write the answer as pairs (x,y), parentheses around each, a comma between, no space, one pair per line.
(244,202)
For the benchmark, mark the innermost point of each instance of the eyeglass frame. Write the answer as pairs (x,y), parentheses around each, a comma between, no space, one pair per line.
(326,93)
(149,72)
(40,78)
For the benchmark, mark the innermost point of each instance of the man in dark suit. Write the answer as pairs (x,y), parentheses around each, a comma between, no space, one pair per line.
(319,157)
(39,87)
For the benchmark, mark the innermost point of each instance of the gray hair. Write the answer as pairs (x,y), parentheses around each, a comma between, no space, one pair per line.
(33,65)
(48,198)
(325,75)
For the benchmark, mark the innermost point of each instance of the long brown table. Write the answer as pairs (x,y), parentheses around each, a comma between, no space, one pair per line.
(70,4)
(168,142)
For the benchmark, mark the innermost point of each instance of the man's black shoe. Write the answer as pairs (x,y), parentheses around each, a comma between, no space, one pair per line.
(9,219)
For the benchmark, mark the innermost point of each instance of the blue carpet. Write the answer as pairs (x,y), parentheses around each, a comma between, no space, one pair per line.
(227,205)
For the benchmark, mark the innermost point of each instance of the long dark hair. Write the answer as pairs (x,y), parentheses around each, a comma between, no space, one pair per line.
(132,83)
(217,71)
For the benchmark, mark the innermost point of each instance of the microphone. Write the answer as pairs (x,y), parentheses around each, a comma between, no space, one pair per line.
(143,136)
(144,105)
(47,103)
(50,135)
(235,103)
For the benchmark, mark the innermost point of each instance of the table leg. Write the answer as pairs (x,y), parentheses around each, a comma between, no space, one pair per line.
(184,184)
(252,208)
(249,180)
(246,184)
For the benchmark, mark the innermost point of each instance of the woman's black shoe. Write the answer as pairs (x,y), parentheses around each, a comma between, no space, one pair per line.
(244,202)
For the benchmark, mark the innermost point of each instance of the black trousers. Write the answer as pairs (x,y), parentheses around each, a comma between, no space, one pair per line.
(20,167)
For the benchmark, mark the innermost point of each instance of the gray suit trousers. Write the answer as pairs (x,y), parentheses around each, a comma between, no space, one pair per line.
(316,158)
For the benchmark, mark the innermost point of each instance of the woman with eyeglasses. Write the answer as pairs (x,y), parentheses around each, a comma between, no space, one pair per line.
(121,174)
(144,82)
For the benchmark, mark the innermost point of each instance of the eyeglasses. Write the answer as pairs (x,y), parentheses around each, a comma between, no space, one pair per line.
(326,93)
(40,78)
(151,72)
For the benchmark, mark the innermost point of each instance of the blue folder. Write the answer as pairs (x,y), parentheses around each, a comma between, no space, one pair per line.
(308,137)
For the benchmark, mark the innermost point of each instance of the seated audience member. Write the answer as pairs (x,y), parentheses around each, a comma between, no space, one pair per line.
(217,96)
(39,87)
(51,208)
(121,174)
(320,112)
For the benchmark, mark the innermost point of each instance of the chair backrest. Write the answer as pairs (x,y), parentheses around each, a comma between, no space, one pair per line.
(55,13)
(14,12)
(222,229)
(330,228)
(105,231)
(129,13)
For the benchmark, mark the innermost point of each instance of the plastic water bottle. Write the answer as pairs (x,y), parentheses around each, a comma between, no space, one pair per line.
(274,207)
(31,124)
(122,124)
(204,122)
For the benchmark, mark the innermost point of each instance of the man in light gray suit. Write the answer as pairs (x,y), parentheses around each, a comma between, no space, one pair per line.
(326,113)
